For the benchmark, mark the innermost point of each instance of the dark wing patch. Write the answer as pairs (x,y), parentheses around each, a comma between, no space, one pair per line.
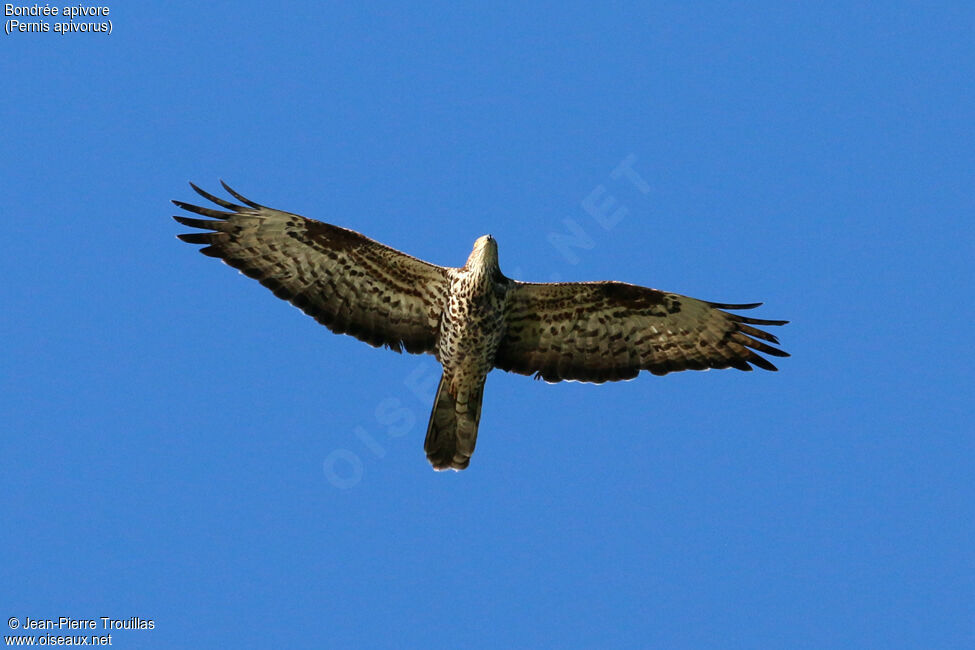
(608,331)
(346,281)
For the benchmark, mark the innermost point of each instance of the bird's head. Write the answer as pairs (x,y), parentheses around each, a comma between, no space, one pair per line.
(485,253)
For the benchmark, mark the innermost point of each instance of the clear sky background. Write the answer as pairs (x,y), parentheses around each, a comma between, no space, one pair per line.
(179,445)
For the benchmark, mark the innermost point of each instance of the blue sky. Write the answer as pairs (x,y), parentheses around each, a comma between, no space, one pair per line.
(167,423)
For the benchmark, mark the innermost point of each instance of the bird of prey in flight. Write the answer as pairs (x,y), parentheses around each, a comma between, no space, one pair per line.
(473,318)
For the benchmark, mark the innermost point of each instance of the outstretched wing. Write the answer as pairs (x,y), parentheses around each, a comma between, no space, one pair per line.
(607,331)
(346,281)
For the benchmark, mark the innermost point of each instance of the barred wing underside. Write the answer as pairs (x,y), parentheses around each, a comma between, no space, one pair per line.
(608,331)
(346,281)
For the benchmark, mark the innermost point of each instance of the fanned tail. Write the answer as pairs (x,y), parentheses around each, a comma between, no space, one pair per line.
(452,432)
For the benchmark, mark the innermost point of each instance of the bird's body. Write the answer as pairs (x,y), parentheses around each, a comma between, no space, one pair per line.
(473,318)
(471,330)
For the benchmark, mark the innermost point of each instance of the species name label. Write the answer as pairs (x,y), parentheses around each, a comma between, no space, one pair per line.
(57,19)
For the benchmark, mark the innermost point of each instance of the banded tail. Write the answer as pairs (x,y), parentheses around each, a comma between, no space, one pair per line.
(452,432)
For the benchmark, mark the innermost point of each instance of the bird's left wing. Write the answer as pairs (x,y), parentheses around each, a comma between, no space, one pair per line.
(607,331)
(346,281)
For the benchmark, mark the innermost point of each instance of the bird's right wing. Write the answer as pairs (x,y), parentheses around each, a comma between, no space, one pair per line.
(607,331)
(346,281)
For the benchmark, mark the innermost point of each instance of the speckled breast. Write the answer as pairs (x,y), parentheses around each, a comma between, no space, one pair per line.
(473,323)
